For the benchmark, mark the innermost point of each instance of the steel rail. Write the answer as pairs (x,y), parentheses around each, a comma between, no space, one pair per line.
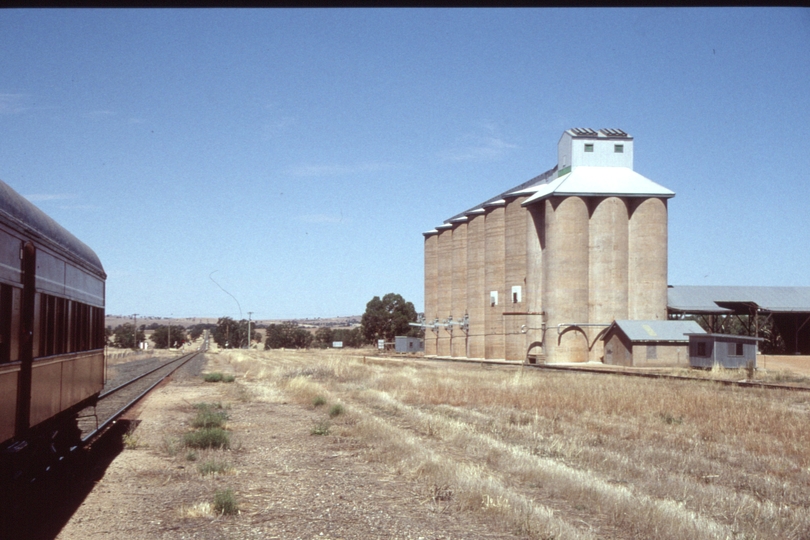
(139,377)
(116,415)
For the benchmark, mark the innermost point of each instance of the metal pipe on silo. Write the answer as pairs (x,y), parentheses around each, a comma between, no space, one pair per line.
(647,259)
(565,276)
(476,291)
(608,259)
(458,345)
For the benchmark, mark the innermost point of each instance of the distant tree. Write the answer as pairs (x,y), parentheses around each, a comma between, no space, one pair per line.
(178,337)
(287,335)
(230,334)
(324,336)
(197,330)
(388,317)
(352,338)
(124,336)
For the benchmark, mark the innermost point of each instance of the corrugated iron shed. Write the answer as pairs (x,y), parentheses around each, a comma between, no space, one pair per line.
(722,299)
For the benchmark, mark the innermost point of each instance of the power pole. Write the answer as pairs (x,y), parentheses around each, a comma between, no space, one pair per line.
(248,340)
(135,331)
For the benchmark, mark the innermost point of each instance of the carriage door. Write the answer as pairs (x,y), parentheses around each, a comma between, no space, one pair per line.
(26,337)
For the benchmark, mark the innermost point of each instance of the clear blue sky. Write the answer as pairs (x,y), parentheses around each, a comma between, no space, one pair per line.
(300,154)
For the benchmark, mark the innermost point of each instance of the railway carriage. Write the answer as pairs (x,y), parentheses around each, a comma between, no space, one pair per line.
(52,289)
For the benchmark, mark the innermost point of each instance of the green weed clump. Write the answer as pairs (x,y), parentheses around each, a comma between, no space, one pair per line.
(336,410)
(212,467)
(225,502)
(131,441)
(320,427)
(210,437)
(212,377)
(318,401)
(209,416)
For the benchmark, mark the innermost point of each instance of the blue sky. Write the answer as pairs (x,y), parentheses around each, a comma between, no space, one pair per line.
(299,154)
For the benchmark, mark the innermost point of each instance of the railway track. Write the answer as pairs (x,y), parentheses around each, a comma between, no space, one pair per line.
(115,401)
(61,483)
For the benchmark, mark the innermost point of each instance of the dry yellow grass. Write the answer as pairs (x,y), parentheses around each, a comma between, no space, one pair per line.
(567,455)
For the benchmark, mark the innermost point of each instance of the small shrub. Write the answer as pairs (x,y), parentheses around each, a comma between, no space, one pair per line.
(212,377)
(214,437)
(228,378)
(210,418)
(191,455)
(212,467)
(669,419)
(131,441)
(170,445)
(225,502)
(318,401)
(320,427)
(336,410)
(207,406)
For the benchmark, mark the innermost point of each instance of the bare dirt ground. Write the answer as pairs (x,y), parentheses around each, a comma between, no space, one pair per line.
(436,450)
(288,483)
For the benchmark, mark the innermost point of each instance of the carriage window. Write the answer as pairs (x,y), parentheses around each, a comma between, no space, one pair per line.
(6,316)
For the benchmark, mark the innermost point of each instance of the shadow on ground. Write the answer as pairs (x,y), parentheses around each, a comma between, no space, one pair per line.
(39,510)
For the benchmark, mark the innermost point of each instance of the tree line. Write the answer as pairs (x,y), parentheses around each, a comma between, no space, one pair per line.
(384,319)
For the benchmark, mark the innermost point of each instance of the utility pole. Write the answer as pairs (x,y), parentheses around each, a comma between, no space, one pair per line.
(135,331)
(248,341)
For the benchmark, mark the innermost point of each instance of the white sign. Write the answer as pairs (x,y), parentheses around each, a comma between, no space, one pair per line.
(337,344)
(381,344)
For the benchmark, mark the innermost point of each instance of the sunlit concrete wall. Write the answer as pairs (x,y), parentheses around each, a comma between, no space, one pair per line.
(458,343)
(565,277)
(477,295)
(444,254)
(533,300)
(494,279)
(514,288)
(431,290)
(608,260)
(647,259)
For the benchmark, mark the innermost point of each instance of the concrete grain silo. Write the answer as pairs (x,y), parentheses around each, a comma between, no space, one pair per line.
(477,302)
(540,271)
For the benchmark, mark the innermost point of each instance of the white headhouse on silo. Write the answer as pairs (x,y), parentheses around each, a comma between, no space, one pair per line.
(540,270)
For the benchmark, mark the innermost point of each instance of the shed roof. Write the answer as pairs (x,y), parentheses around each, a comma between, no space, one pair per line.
(657,331)
(723,299)
(727,337)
